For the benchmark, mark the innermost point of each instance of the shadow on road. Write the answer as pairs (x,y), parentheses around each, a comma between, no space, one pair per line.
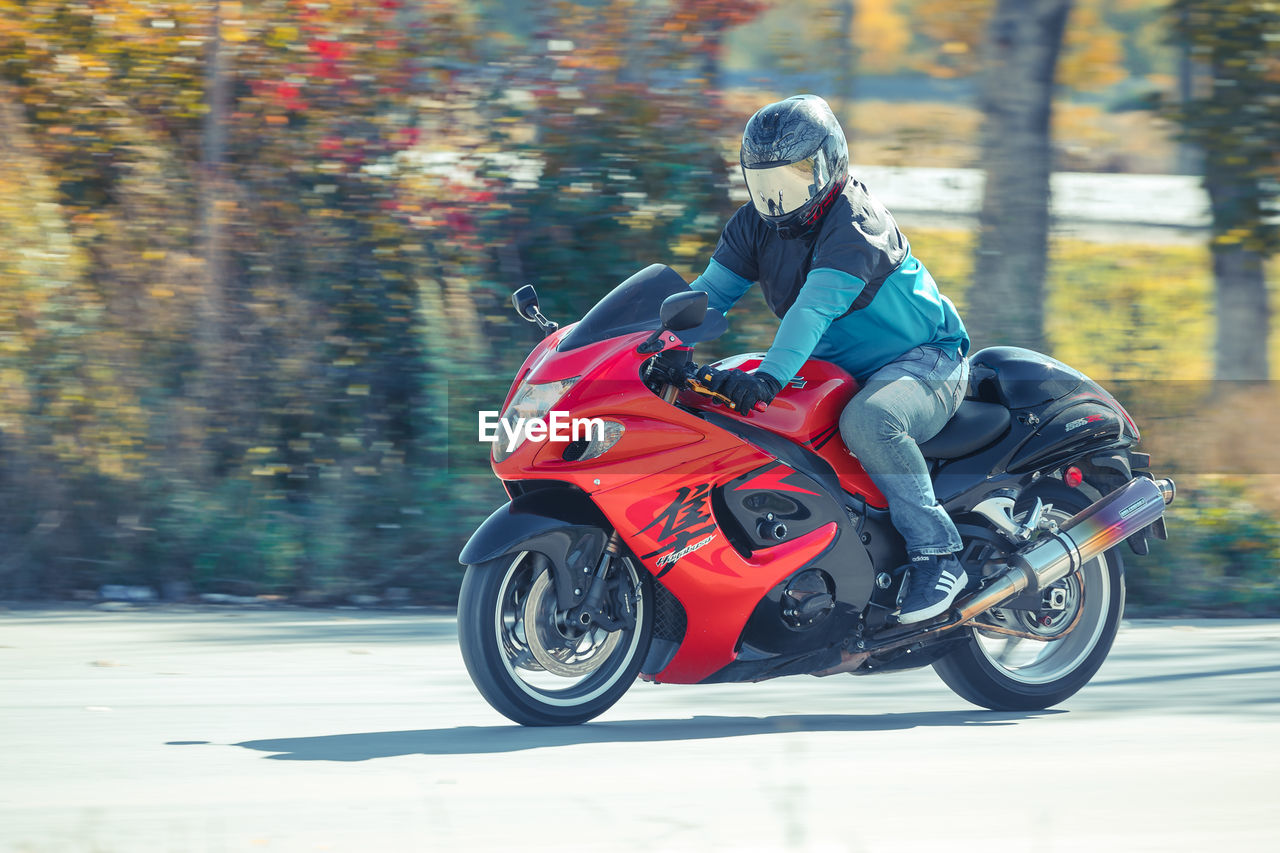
(475,740)
(1184,676)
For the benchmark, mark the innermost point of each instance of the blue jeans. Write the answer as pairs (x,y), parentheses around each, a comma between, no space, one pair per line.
(906,402)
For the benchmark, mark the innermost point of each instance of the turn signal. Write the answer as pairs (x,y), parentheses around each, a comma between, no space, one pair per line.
(603,439)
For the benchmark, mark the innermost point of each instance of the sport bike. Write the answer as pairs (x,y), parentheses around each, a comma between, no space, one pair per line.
(676,540)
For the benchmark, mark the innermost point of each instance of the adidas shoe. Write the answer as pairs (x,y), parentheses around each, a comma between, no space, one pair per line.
(934,584)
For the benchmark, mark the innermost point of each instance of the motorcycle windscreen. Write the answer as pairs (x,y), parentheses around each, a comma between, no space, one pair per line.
(633,306)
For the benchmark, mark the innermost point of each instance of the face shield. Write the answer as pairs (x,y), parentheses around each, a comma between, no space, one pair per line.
(781,190)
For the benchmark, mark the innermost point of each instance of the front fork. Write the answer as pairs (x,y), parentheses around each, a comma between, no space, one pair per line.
(593,609)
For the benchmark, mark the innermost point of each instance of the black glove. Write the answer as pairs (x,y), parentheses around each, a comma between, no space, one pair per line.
(745,389)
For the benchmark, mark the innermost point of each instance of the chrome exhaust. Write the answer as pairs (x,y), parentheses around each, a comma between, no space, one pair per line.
(1057,553)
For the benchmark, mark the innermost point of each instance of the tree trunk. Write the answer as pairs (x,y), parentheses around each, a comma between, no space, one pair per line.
(712,59)
(1240,283)
(1243,316)
(1006,296)
(1190,160)
(848,65)
(216,371)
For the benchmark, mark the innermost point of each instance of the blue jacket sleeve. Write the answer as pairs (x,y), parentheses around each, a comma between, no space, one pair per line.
(826,295)
(724,287)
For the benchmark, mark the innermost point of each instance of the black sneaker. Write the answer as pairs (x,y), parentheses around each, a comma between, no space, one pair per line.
(934,584)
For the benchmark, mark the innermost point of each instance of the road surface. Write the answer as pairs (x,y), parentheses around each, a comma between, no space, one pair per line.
(200,729)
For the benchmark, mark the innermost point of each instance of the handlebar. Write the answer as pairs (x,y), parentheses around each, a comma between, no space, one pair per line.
(692,384)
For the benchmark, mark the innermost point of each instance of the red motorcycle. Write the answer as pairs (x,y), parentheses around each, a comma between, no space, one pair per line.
(677,540)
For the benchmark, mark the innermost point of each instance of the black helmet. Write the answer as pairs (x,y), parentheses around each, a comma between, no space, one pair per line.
(795,161)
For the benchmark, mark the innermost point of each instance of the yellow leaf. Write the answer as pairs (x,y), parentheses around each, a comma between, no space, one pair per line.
(282,35)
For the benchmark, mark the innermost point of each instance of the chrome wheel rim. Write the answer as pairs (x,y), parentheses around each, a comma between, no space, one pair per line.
(544,656)
(1062,645)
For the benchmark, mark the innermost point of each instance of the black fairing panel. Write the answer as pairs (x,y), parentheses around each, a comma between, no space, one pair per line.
(1038,440)
(1058,415)
(1019,378)
(777,493)
(784,450)
(1084,426)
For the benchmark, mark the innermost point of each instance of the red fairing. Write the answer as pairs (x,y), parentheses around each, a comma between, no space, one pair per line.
(807,411)
(716,585)
(654,486)
(656,437)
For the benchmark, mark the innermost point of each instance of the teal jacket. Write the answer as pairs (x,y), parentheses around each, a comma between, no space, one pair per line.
(850,292)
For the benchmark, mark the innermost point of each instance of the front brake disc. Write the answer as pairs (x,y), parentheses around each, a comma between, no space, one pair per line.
(561,649)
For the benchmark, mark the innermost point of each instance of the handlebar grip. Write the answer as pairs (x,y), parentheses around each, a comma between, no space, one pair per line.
(698,387)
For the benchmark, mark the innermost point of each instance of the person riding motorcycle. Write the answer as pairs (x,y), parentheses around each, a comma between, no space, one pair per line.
(835,268)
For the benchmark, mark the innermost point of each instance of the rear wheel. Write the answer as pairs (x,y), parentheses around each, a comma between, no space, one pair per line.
(530,660)
(1025,660)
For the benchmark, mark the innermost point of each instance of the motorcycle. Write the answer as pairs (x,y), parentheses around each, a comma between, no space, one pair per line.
(680,541)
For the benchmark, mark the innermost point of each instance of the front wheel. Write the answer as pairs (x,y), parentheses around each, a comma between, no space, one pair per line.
(530,660)
(1028,660)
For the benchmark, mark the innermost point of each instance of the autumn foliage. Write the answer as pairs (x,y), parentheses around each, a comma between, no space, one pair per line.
(254,253)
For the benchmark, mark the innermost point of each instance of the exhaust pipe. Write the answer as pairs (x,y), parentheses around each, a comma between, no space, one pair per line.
(1103,525)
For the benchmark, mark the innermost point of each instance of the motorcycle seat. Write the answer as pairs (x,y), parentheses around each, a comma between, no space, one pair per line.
(974,426)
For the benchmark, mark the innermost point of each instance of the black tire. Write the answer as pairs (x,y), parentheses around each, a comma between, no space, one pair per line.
(981,673)
(596,667)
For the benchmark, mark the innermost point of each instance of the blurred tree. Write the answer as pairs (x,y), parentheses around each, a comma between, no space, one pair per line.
(881,32)
(252,301)
(628,145)
(214,333)
(702,25)
(1233,115)
(1006,302)
(847,50)
(244,336)
(1093,54)
(951,35)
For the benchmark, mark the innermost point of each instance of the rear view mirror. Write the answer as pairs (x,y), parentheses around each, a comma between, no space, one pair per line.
(681,311)
(525,301)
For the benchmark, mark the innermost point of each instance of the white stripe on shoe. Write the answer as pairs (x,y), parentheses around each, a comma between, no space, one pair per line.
(950,589)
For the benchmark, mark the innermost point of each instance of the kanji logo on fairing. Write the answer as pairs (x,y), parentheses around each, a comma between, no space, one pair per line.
(686,522)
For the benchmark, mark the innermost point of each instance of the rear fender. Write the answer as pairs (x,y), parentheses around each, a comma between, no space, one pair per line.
(561,524)
(1114,469)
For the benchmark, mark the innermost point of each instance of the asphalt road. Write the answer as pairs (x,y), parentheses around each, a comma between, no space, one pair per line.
(199,729)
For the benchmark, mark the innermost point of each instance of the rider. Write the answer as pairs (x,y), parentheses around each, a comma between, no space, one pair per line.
(835,268)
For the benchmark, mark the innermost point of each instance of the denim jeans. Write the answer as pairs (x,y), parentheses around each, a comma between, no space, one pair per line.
(906,402)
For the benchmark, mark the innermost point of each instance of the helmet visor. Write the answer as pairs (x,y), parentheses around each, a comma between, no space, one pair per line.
(780,190)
